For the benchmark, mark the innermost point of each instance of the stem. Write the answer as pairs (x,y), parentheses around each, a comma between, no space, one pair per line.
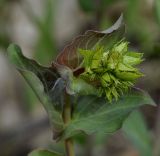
(66,119)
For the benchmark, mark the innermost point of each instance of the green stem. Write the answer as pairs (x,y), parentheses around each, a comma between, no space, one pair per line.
(67,118)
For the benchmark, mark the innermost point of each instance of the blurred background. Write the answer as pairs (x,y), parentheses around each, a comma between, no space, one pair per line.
(42,28)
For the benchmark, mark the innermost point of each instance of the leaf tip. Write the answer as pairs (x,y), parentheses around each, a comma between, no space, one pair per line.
(13,48)
(119,23)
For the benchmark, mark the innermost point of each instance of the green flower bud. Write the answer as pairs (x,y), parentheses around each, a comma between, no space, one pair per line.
(121,48)
(105,80)
(128,76)
(132,58)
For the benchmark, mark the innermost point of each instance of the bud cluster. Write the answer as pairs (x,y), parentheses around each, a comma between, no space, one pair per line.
(113,71)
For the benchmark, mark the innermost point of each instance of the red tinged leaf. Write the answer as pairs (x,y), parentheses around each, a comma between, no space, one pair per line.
(70,56)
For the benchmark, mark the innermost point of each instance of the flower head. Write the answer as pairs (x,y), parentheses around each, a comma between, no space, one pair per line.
(112,71)
(99,62)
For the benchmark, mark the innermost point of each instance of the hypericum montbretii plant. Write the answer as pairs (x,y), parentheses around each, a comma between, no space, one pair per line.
(88,88)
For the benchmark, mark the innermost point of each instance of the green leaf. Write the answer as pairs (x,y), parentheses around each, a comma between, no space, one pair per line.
(94,115)
(47,75)
(43,87)
(136,130)
(41,152)
(71,57)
